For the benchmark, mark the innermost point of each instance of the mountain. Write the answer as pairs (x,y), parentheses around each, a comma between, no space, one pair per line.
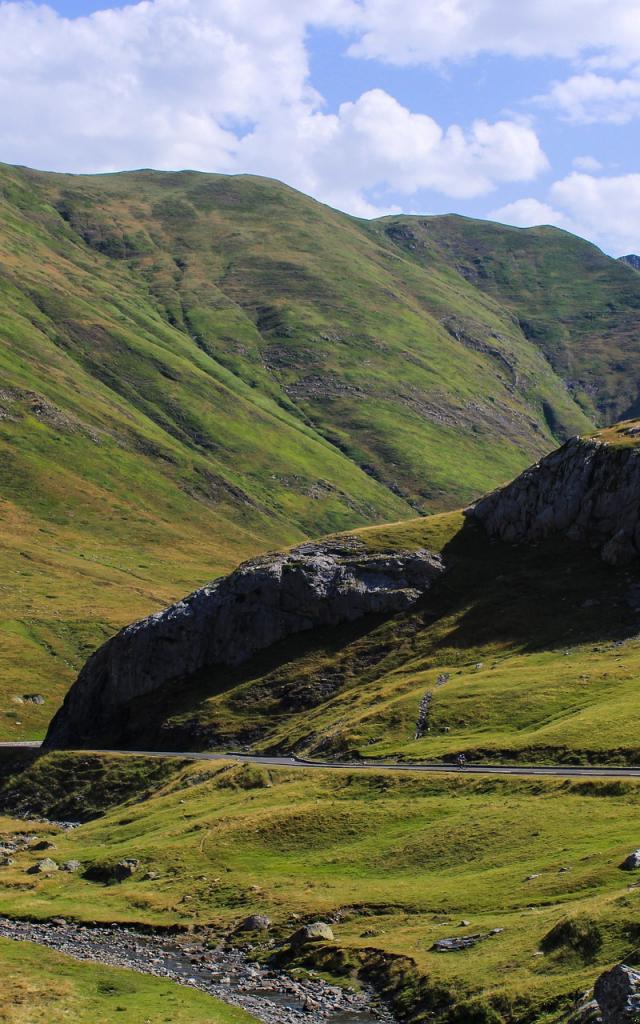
(632,260)
(510,632)
(198,368)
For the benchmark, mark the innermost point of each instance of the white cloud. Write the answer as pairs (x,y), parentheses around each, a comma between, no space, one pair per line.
(416,31)
(214,85)
(591,98)
(529,213)
(605,210)
(587,163)
(376,142)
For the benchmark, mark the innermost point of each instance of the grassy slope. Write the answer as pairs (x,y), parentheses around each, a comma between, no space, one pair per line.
(40,986)
(402,859)
(569,299)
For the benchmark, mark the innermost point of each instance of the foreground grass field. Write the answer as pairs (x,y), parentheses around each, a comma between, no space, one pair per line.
(395,863)
(40,986)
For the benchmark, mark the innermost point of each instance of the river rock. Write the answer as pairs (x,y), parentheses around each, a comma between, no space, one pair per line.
(617,993)
(227,621)
(587,490)
(254,923)
(632,862)
(318,931)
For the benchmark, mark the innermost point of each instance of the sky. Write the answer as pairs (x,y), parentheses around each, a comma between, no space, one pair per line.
(524,112)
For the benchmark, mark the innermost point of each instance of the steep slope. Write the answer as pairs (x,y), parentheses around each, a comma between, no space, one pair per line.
(525,651)
(574,304)
(197,368)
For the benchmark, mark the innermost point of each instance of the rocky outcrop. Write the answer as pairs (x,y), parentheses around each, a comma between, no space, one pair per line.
(617,993)
(631,260)
(632,862)
(587,490)
(226,622)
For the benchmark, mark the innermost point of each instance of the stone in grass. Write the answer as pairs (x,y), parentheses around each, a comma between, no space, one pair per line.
(632,862)
(254,923)
(617,993)
(43,867)
(71,865)
(318,931)
(44,844)
(110,873)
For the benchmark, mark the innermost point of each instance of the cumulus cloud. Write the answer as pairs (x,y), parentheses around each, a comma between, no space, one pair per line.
(529,213)
(377,142)
(604,209)
(212,85)
(416,31)
(590,98)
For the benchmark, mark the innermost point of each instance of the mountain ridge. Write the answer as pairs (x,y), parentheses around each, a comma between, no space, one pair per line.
(197,368)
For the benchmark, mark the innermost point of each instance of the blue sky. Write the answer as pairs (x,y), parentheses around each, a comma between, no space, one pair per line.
(527,113)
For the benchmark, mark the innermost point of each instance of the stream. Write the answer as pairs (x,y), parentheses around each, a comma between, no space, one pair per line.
(226,973)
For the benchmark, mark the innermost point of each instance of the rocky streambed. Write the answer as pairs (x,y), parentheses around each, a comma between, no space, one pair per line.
(226,973)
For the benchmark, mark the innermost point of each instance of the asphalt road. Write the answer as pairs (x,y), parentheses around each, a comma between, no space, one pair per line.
(553,771)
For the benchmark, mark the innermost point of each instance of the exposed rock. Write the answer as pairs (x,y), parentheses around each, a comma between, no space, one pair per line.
(617,993)
(110,873)
(71,865)
(422,723)
(319,931)
(632,260)
(44,844)
(458,943)
(632,862)
(254,923)
(587,490)
(43,867)
(33,698)
(227,621)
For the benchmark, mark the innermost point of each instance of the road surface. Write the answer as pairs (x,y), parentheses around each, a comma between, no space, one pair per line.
(550,771)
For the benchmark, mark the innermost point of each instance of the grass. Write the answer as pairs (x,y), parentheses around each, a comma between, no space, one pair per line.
(40,986)
(196,368)
(397,862)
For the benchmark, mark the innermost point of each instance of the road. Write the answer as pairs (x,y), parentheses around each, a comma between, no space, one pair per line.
(545,771)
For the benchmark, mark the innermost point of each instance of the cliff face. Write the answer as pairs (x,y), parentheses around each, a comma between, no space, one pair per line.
(226,622)
(588,490)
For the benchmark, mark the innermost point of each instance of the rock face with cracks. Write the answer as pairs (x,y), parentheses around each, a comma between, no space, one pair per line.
(617,993)
(224,623)
(588,491)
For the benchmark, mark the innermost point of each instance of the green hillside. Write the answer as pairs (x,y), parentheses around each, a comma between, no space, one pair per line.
(196,367)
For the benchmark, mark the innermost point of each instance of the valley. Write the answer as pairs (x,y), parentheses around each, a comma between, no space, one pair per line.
(214,386)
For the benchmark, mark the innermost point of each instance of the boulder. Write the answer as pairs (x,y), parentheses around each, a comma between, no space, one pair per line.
(43,867)
(319,931)
(44,844)
(632,862)
(226,622)
(71,865)
(111,873)
(254,923)
(617,993)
